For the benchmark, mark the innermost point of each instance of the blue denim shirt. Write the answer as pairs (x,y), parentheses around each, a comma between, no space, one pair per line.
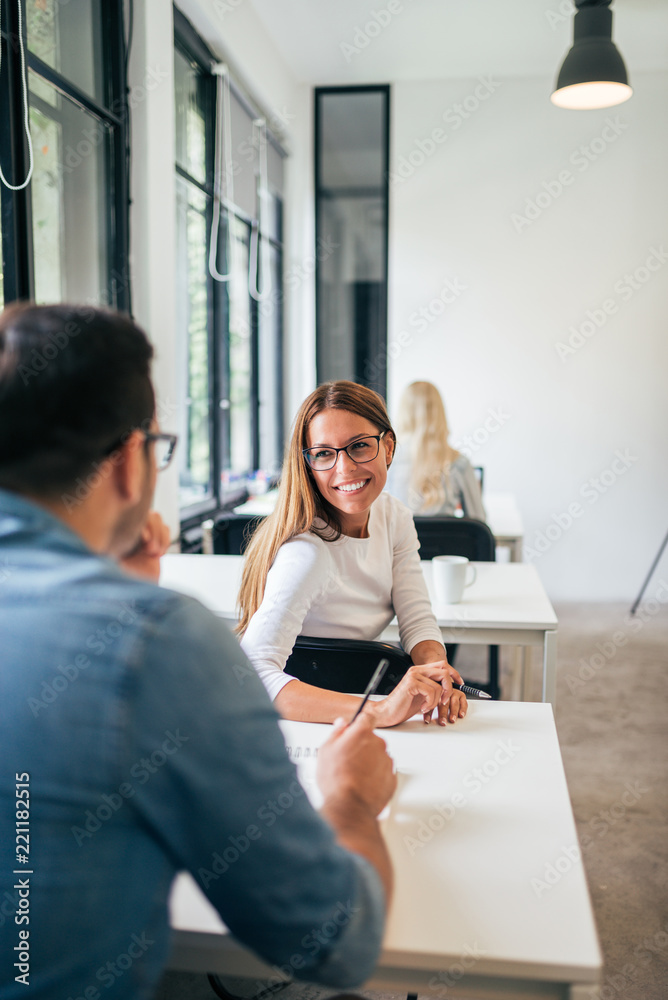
(147,745)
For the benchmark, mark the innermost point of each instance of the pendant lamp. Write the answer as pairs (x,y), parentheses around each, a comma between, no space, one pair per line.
(593,74)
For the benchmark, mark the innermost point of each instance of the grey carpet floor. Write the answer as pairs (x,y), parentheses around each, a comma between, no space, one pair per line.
(612,720)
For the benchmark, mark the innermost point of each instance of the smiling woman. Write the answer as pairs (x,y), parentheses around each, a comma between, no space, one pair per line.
(338,558)
(350,476)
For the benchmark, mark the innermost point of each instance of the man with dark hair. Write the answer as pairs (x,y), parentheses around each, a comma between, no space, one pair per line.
(73,382)
(135,738)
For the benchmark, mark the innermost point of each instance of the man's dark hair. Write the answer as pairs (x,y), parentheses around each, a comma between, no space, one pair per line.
(74,382)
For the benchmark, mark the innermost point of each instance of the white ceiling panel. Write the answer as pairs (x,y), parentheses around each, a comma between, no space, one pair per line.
(357,41)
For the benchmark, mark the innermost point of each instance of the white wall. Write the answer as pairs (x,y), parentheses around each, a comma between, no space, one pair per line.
(153,215)
(543,426)
(517,290)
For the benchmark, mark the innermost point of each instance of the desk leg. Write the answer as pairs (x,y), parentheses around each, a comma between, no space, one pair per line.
(550,667)
(527,672)
(516,550)
(517,665)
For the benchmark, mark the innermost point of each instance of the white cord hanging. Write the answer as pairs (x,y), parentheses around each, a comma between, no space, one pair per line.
(24,81)
(223,179)
(259,229)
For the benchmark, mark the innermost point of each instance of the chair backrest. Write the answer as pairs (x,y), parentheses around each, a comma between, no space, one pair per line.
(232,533)
(455,536)
(345,664)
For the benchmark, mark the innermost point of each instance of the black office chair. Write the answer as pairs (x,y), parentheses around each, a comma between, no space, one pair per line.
(455,536)
(233,532)
(345,664)
(461,536)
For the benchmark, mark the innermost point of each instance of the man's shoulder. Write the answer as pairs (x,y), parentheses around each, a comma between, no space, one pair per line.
(82,589)
(153,602)
(93,578)
(167,634)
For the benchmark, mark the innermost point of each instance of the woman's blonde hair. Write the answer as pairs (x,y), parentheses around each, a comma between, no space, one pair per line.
(422,423)
(299,501)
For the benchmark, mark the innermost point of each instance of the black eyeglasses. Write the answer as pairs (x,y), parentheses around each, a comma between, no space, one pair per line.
(164,448)
(363,450)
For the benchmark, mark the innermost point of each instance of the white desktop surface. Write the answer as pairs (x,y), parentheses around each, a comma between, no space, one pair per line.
(214,580)
(463,884)
(507,604)
(260,505)
(505,522)
(504,595)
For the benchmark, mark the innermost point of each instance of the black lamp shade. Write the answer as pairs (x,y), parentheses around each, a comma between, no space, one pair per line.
(593,74)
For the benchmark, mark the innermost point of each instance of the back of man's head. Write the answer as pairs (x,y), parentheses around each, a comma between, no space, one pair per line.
(74,381)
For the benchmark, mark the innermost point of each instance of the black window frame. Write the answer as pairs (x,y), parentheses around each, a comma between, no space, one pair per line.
(366,352)
(113,114)
(192,47)
(189,44)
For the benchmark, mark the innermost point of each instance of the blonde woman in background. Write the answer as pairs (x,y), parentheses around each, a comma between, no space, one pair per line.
(428,474)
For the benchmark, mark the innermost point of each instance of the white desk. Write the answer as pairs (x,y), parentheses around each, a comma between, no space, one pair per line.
(505,521)
(260,505)
(503,517)
(469,917)
(507,605)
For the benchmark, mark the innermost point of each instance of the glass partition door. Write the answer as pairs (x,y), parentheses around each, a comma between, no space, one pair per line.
(352,137)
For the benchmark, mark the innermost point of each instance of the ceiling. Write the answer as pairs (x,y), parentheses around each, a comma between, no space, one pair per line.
(362,41)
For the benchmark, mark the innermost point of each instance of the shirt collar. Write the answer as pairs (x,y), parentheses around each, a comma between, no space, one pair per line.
(19,515)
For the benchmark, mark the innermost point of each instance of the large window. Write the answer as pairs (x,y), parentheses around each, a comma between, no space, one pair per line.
(195,291)
(64,234)
(351,142)
(229,182)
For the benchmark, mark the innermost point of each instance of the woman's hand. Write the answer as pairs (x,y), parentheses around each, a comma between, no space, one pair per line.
(428,652)
(423,688)
(144,560)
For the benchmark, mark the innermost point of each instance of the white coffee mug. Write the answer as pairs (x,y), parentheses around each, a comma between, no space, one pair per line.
(449,576)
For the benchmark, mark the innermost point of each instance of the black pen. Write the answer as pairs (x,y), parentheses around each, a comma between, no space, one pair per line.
(467,689)
(376,678)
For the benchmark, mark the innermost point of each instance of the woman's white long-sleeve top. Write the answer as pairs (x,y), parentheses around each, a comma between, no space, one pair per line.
(349,588)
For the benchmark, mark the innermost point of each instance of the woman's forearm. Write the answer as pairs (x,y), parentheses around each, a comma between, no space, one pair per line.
(428,651)
(306,703)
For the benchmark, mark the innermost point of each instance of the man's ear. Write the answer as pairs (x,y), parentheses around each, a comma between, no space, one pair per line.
(130,467)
